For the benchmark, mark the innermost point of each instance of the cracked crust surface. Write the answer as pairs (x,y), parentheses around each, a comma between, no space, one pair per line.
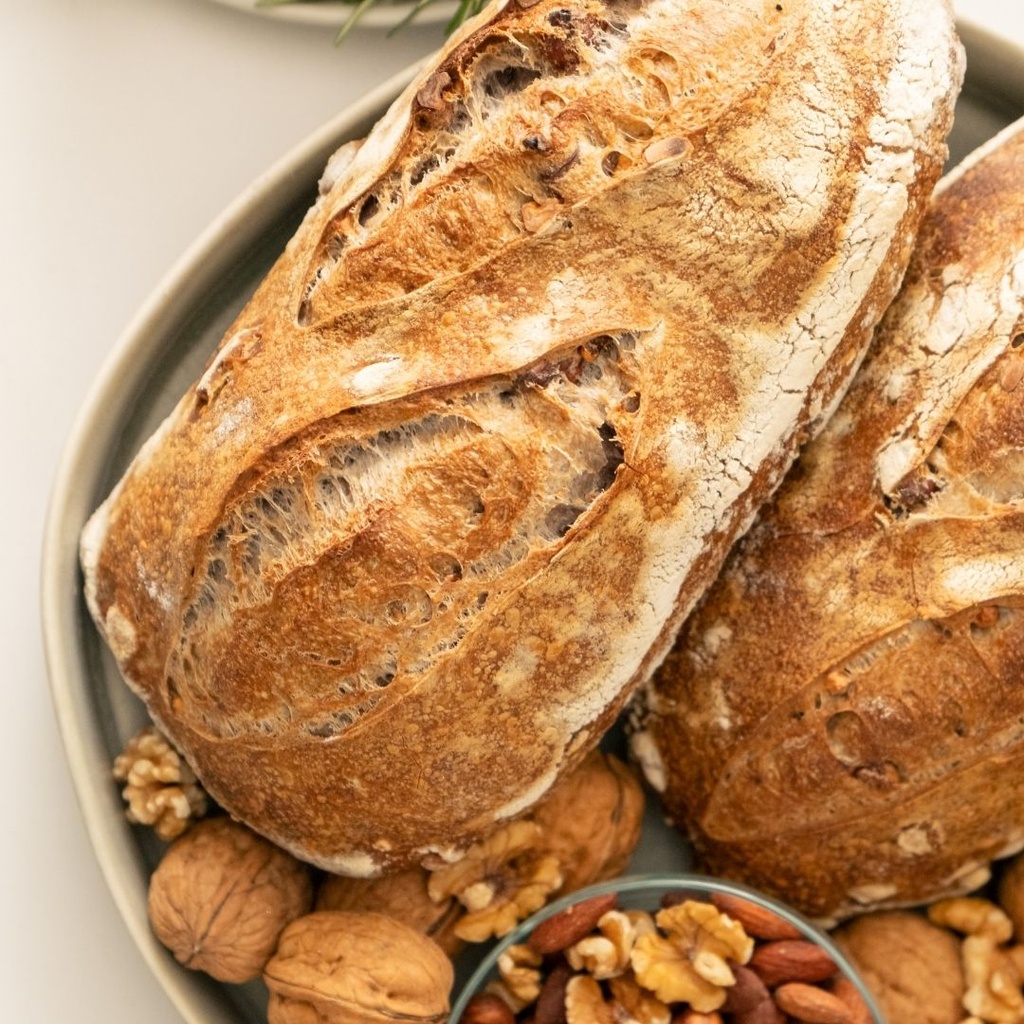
(546,340)
(840,722)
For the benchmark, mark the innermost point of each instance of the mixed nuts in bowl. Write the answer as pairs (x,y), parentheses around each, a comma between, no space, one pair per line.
(665,949)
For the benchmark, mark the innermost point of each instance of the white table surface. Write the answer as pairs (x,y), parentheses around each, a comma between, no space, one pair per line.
(126,126)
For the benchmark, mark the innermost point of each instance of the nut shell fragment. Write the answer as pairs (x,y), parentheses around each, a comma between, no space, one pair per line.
(334,967)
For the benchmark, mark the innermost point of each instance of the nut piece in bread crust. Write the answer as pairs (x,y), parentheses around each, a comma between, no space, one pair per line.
(547,339)
(832,720)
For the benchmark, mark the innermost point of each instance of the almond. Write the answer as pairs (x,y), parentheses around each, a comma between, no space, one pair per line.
(765,1012)
(487,1009)
(791,960)
(550,1005)
(748,992)
(567,927)
(849,995)
(757,921)
(812,1005)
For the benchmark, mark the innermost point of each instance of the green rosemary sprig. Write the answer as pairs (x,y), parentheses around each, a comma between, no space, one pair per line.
(464,9)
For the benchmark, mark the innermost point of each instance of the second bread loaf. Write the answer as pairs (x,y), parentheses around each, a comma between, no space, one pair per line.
(842,720)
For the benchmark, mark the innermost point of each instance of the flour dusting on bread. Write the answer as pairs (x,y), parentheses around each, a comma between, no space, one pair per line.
(543,344)
(870,627)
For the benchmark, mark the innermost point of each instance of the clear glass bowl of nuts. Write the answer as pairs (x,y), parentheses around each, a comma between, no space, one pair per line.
(665,949)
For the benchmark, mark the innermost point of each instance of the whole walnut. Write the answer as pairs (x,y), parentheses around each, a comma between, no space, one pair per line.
(402,895)
(591,820)
(221,896)
(911,966)
(335,967)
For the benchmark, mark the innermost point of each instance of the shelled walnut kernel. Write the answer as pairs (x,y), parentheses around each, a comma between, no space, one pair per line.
(500,881)
(584,831)
(160,789)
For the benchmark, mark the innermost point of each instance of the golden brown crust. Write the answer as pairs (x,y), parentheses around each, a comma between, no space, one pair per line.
(840,721)
(546,341)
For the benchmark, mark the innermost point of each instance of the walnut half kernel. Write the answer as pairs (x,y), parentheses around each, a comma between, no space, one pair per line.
(584,831)
(160,789)
(500,881)
(689,962)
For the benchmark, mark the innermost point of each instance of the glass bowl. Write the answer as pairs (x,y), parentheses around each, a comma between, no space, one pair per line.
(645,892)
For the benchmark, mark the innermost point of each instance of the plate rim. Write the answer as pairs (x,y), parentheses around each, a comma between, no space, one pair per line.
(80,462)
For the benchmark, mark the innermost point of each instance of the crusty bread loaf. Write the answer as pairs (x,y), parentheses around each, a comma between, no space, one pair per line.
(842,721)
(544,343)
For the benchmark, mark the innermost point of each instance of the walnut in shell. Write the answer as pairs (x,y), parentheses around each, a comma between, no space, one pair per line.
(335,967)
(221,896)
(403,896)
(591,820)
(912,966)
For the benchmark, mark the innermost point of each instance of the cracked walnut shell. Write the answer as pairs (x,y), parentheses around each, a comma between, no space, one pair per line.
(160,788)
(335,967)
(220,897)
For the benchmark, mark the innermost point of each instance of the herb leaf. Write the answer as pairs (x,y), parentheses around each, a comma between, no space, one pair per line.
(464,9)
